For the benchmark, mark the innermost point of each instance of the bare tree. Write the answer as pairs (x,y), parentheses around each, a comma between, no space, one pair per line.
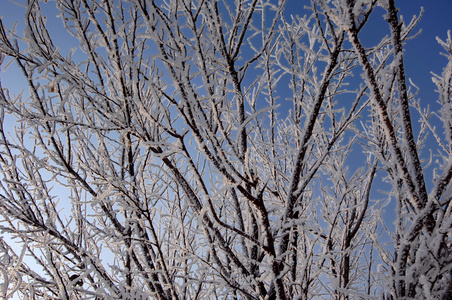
(214,149)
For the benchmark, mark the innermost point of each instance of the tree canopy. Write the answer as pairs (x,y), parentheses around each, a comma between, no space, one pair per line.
(192,149)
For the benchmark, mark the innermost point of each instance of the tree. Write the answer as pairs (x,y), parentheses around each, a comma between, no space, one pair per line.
(204,150)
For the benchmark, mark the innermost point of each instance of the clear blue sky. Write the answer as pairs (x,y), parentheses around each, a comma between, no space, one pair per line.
(421,54)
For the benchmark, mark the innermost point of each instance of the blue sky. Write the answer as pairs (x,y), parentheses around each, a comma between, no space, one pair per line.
(421,56)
